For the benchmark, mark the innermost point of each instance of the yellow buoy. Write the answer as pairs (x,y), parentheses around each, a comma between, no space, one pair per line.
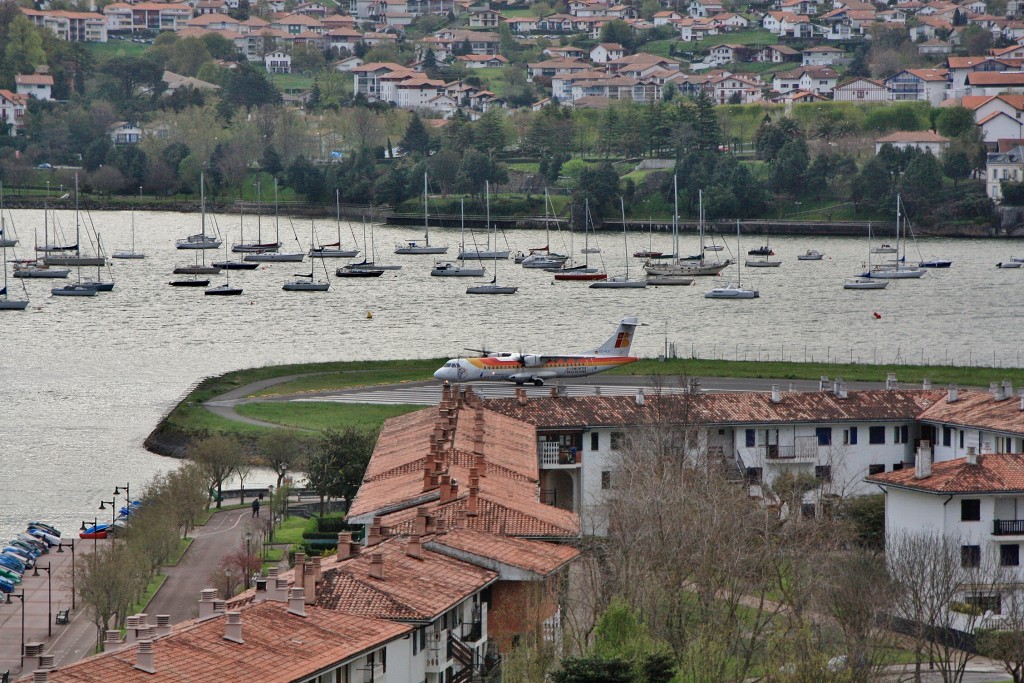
(369,315)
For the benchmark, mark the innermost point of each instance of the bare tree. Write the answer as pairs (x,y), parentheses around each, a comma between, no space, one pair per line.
(280,450)
(218,456)
(1002,636)
(108,582)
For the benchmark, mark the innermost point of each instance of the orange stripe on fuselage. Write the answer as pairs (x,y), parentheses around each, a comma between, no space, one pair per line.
(552,362)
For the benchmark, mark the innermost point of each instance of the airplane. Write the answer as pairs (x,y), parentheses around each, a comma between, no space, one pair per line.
(523,368)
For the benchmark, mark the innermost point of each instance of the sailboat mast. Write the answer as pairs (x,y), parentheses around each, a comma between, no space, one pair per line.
(586,233)
(426,209)
(675,218)
(78,246)
(337,213)
(462,222)
(277,223)
(700,221)
(487,202)
(739,268)
(625,244)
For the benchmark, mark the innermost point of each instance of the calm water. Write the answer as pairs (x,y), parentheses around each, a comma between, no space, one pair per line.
(83,381)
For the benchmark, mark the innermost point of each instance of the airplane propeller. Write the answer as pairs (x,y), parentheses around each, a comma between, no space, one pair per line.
(487,352)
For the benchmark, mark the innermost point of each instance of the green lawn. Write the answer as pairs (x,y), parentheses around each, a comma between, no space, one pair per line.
(399,371)
(116,48)
(183,544)
(292,82)
(151,589)
(524,166)
(291,529)
(493,78)
(320,416)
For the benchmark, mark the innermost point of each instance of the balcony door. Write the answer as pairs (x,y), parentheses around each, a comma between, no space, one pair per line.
(1006,508)
(771,443)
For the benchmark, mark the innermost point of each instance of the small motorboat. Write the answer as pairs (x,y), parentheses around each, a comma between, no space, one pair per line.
(1009,264)
(95,531)
(713,247)
(189,283)
(761,251)
(935,263)
(448,269)
(865,283)
(648,254)
(732,291)
(810,255)
(197,270)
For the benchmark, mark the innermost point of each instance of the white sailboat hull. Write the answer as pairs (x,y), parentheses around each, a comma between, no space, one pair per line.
(618,283)
(74,260)
(274,257)
(482,254)
(677,280)
(12,305)
(128,255)
(416,250)
(491,289)
(732,291)
(303,286)
(687,269)
(73,290)
(333,253)
(865,284)
(34,272)
(763,264)
(457,271)
(896,274)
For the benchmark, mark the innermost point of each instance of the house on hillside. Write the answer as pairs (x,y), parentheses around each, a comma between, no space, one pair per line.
(822,55)
(776,54)
(995,83)
(278,62)
(124,133)
(921,140)
(606,52)
(861,90)
(37,85)
(817,79)
(999,166)
(929,85)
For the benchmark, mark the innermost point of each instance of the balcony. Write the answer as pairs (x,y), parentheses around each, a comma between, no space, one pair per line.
(472,632)
(1008,527)
(556,455)
(802,453)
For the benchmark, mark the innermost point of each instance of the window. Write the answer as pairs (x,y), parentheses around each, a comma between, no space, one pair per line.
(947,436)
(900,434)
(853,436)
(595,440)
(824,435)
(876,435)
(961,438)
(897,466)
(970,510)
(617,440)
(753,475)
(1009,555)
(985,603)
(751,438)
(606,479)
(876,469)
(970,556)
(823,472)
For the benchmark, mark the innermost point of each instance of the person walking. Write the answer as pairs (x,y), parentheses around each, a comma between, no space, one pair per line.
(255,507)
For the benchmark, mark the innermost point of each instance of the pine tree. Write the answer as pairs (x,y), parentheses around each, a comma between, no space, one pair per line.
(709,134)
(416,140)
(24,50)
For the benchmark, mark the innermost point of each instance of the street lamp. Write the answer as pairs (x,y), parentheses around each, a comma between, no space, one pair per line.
(49,597)
(20,596)
(95,534)
(113,508)
(60,549)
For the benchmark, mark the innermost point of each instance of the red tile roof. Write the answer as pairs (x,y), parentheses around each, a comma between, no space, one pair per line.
(493,550)
(913,136)
(994,473)
(279,647)
(980,410)
(418,589)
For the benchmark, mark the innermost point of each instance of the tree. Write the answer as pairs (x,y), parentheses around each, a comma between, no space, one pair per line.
(1003,640)
(954,121)
(280,451)
(594,670)
(416,140)
(246,88)
(133,77)
(788,171)
(336,467)
(921,183)
(859,64)
(270,161)
(709,134)
(618,31)
(956,165)
(770,136)
(24,50)
(218,456)
(976,40)
(108,583)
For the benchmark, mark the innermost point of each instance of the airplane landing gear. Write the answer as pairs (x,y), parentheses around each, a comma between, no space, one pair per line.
(538,382)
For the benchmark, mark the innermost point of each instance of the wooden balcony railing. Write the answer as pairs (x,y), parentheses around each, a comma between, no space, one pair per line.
(1008,527)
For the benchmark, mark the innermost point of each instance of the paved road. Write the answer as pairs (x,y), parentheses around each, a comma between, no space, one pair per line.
(180,593)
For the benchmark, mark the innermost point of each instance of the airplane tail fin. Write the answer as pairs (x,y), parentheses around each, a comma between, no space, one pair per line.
(618,344)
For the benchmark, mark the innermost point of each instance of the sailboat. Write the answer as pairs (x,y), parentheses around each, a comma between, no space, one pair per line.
(6,302)
(542,257)
(492,287)
(733,290)
(621,281)
(488,253)
(449,269)
(582,273)
(415,246)
(77,289)
(691,267)
(897,269)
(37,269)
(259,246)
(199,268)
(364,268)
(57,257)
(200,240)
(99,284)
(130,254)
(225,289)
(334,250)
(274,255)
(670,279)
(650,251)
(306,283)
(866,282)
(5,239)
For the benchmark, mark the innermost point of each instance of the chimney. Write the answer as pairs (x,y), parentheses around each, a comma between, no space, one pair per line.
(206,600)
(521,396)
(471,506)
(419,525)
(823,383)
(480,463)
(776,394)
(640,396)
(460,519)
(33,651)
(954,394)
(163,624)
(441,526)
(300,570)
(923,461)
(318,569)
(309,583)
(233,627)
(344,545)
(373,537)
(841,392)
(1007,389)
(297,602)
(972,455)
(414,548)
(377,566)
(926,384)
(890,381)
(835,385)
(112,638)
(145,660)
(219,607)
(446,489)
(40,676)
(993,388)
(45,662)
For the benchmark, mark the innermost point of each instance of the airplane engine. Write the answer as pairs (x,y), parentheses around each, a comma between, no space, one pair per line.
(532,361)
